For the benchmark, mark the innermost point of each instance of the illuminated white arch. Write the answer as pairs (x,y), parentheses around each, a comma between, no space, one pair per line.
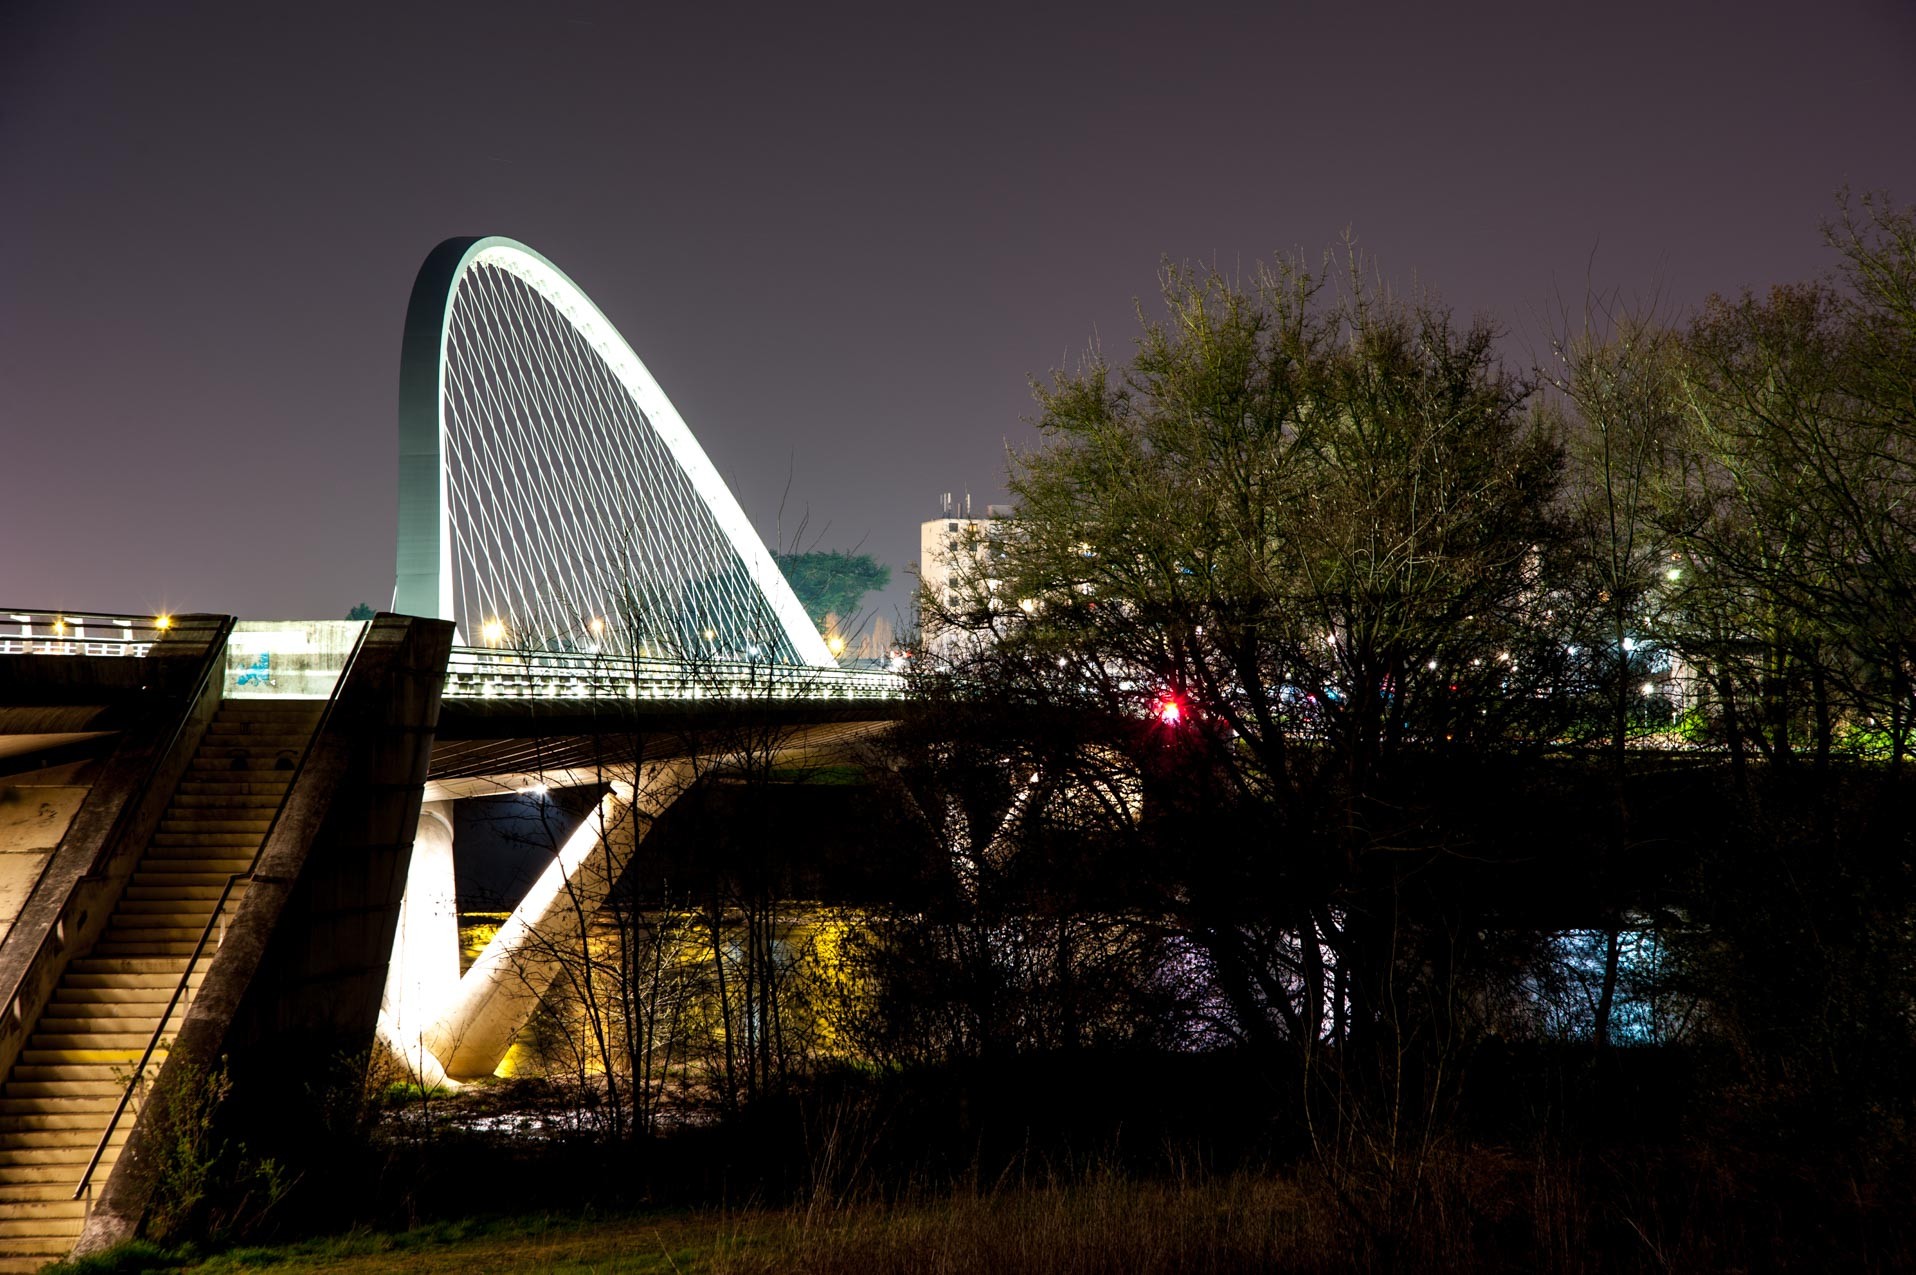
(517,492)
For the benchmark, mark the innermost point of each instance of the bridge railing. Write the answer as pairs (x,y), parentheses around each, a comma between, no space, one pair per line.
(484,673)
(33,632)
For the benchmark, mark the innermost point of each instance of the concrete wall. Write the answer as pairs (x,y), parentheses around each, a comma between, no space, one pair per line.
(292,996)
(33,818)
(320,986)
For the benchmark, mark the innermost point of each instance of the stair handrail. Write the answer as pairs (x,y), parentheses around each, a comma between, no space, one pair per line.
(186,975)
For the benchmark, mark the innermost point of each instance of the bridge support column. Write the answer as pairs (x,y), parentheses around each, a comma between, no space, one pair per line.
(550,927)
(422,977)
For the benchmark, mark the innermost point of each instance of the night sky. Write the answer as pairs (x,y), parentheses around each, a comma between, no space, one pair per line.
(843,240)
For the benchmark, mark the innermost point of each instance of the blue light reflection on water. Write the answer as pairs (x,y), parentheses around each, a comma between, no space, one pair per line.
(1648,1008)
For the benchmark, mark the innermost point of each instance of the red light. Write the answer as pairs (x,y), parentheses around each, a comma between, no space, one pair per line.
(1169,711)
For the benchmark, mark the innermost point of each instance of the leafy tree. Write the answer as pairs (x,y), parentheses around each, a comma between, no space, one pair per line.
(830,582)
(1312,525)
(360,612)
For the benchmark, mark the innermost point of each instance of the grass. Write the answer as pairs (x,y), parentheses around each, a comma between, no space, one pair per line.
(1486,1209)
(635,1245)
(1107,1224)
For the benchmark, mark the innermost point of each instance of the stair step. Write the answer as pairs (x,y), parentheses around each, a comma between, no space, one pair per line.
(179,865)
(207,838)
(46,1210)
(91,1041)
(182,951)
(272,785)
(54,1227)
(66,1019)
(82,1105)
(96,1060)
(208,770)
(36,1251)
(60,1173)
(16,1264)
(13,1262)
(216,820)
(44,1157)
(199,856)
(129,1019)
(150,983)
(104,1063)
(17,1194)
(126,988)
(143,906)
(143,928)
(272,745)
(56,1118)
(118,945)
(137,1004)
(85,971)
(63,1089)
(245,804)
(46,1139)
(115,947)
(267,725)
(146,923)
(209,894)
(117,1004)
(277,731)
(250,709)
(176,878)
(269,742)
(94,1111)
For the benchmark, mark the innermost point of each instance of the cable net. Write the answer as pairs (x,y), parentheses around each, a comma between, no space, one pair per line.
(573,527)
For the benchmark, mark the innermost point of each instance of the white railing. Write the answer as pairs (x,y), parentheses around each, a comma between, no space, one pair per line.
(486,673)
(256,666)
(26,632)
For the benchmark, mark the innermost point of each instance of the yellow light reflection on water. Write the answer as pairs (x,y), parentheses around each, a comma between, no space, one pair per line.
(662,967)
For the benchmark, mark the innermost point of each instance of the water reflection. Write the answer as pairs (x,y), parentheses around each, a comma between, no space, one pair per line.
(722,998)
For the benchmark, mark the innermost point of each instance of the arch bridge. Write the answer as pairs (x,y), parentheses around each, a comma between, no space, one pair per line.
(243,842)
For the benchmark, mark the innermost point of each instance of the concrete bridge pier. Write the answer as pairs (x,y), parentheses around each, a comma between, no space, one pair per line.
(422,978)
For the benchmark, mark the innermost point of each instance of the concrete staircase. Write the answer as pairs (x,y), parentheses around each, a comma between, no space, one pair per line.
(60,1094)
